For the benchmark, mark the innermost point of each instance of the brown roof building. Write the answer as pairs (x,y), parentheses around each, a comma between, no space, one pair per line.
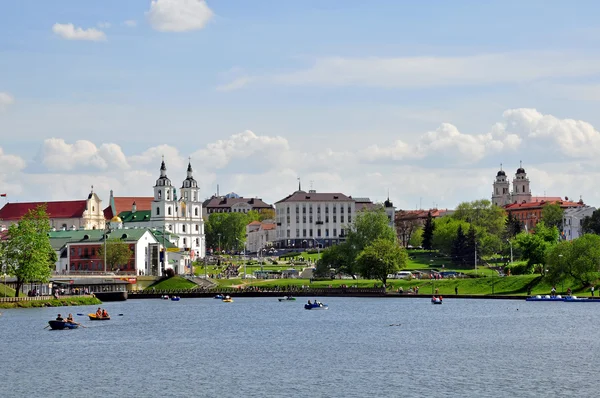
(226,204)
(119,204)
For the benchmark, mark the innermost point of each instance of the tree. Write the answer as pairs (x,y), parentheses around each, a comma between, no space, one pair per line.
(471,246)
(483,214)
(446,229)
(336,257)
(380,258)
(405,227)
(416,239)
(27,252)
(459,246)
(552,214)
(118,253)
(535,245)
(227,230)
(368,227)
(513,226)
(591,224)
(579,259)
(428,231)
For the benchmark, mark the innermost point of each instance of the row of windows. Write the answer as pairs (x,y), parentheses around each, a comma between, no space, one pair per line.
(310,233)
(98,266)
(168,195)
(326,207)
(318,219)
(196,211)
(197,242)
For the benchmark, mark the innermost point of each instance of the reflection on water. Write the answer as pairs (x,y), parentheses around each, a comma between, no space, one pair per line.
(260,347)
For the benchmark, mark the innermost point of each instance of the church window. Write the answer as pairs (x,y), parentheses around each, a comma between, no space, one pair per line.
(159,194)
(169,210)
(194,196)
(168,191)
(197,227)
(93,208)
(196,211)
(158,211)
(197,241)
(184,241)
(183,228)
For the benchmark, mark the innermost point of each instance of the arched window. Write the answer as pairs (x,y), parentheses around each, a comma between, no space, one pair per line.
(158,211)
(169,210)
(183,228)
(159,194)
(196,211)
(197,241)
(194,196)
(168,194)
(184,241)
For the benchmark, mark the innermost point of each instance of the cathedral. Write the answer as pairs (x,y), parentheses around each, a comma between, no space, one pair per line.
(502,195)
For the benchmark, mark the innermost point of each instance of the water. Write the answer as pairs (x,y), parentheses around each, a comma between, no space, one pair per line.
(259,347)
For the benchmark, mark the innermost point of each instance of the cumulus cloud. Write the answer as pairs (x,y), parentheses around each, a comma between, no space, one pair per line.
(178,15)
(5,100)
(70,32)
(57,155)
(444,166)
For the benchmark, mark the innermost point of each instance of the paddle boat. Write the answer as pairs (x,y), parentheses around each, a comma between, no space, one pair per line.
(94,317)
(436,300)
(175,298)
(545,298)
(227,299)
(165,297)
(61,325)
(316,306)
(287,298)
(219,296)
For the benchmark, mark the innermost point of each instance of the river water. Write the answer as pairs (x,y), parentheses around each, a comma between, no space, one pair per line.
(259,347)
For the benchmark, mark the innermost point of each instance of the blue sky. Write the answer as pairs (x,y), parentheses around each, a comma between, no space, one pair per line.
(356,96)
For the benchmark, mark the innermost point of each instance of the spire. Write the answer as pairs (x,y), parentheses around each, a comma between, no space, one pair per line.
(520,163)
(500,166)
(299,186)
(163,168)
(189,169)
(92,189)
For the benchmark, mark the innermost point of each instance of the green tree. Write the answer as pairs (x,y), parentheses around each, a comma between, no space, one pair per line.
(27,252)
(380,258)
(226,229)
(118,253)
(445,232)
(552,215)
(336,257)
(459,247)
(535,245)
(416,239)
(405,227)
(513,226)
(482,214)
(579,259)
(591,224)
(368,226)
(428,231)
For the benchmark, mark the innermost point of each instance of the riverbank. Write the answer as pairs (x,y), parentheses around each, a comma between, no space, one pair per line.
(61,302)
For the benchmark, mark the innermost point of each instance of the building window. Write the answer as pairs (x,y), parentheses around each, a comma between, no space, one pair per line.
(195,211)
(304,233)
(319,233)
(326,232)
(197,227)
(197,241)
(326,209)
(334,209)
(303,209)
(168,192)
(297,233)
(158,211)
(297,209)
(326,218)
(334,232)
(310,233)
(349,209)
(334,218)
(349,218)
(169,210)
(310,219)
(85,251)
(288,219)
(304,219)
(341,209)
(342,218)
(287,210)
(310,209)
(341,232)
(288,233)
(318,209)
(183,228)
(184,241)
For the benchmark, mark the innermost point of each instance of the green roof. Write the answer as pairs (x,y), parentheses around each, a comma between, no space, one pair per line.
(159,237)
(129,217)
(60,238)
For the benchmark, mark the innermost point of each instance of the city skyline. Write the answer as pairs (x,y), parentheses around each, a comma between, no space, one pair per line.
(425,102)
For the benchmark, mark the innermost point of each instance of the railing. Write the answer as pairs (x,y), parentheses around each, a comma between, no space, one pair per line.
(256,291)
(24,298)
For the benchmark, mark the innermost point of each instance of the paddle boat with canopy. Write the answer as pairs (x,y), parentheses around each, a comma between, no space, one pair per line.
(227,299)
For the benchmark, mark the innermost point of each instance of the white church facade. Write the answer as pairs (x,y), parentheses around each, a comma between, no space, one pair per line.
(521,192)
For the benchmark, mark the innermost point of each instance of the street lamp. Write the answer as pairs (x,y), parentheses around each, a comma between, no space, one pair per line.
(511,252)
(219,242)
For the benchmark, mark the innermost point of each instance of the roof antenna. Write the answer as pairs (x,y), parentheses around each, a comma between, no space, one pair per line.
(311,184)
(299,186)
(500,166)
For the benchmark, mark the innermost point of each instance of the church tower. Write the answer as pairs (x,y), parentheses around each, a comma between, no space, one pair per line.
(164,205)
(501,192)
(521,192)
(190,224)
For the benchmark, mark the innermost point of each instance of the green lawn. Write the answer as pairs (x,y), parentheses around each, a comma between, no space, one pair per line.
(10,292)
(174,283)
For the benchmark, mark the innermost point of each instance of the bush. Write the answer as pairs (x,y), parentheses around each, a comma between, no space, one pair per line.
(518,269)
(289,255)
(170,273)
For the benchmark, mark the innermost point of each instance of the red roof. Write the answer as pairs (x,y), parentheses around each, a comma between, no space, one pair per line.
(124,203)
(268,227)
(533,205)
(65,209)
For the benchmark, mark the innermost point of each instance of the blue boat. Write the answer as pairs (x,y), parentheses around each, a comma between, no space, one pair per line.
(219,296)
(61,325)
(575,299)
(175,298)
(316,306)
(545,298)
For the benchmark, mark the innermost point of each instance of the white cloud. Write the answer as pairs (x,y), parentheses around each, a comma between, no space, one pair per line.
(130,23)
(444,166)
(432,71)
(236,84)
(5,100)
(70,32)
(104,25)
(57,155)
(178,15)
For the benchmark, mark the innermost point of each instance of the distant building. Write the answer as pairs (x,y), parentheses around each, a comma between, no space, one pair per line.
(233,203)
(573,221)
(387,206)
(260,235)
(529,214)
(521,192)
(64,215)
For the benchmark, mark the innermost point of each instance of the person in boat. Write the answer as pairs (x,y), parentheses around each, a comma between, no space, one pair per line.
(60,318)
(99,312)
(309,303)
(70,319)
(104,314)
